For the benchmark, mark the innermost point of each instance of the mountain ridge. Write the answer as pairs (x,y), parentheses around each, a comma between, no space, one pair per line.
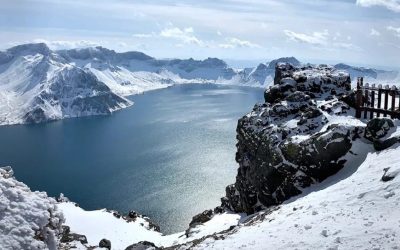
(28,79)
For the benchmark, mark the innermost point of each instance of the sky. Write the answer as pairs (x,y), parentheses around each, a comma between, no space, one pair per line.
(362,32)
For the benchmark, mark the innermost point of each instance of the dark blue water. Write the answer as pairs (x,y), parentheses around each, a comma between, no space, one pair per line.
(169,156)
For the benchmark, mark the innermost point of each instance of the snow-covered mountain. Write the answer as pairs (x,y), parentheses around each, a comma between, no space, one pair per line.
(264,73)
(370,74)
(134,72)
(38,84)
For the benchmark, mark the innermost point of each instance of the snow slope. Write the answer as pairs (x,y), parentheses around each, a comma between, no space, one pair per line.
(99,224)
(351,210)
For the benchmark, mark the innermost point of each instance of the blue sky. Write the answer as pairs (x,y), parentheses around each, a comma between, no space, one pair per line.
(364,32)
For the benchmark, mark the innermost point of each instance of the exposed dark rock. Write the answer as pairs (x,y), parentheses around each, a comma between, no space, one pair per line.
(298,97)
(143,245)
(388,176)
(274,164)
(153,226)
(202,217)
(36,115)
(132,215)
(219,210)
(282,70)
(105,243)
(289,79)
(67,236)
(380,145)
(378,128)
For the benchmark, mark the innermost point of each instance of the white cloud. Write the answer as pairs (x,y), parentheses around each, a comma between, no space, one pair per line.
(322,40)
(374,32)
(348,46)
(393,5)
(185,35)
(316,38)
(396,30)
(232,42)
(143,35)
(59,44)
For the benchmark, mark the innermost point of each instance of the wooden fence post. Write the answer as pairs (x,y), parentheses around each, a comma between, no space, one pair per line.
(359,97)
(392,108)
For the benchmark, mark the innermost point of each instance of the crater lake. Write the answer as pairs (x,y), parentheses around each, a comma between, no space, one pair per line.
(169,156)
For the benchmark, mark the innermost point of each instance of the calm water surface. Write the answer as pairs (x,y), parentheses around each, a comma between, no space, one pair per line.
(169,156)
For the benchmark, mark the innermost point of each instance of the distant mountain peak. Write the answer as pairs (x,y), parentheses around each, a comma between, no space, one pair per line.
(30,48)
(292,60)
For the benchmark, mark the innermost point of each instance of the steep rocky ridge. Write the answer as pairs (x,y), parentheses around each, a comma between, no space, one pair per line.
(290,142)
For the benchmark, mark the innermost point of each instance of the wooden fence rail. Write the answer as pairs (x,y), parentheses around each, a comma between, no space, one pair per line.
(377,101)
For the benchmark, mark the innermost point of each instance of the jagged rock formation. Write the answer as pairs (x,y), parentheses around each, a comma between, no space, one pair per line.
(289,142)
(264,73)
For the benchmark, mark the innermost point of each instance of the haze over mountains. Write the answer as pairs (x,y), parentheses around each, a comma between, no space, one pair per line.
(38,84)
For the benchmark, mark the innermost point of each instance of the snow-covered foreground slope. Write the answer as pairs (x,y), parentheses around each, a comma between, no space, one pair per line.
(100,224)
(354,209)
(28,220)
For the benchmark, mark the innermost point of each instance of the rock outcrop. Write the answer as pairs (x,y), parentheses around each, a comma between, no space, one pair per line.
(378,130)
(289,142)
(143,245)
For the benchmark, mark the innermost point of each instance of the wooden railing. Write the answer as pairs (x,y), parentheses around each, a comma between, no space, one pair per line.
(377,101)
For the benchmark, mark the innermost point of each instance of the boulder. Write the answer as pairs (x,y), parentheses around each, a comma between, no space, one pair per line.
(143,245)
(378,128)
(132,215)
(380,145)
(67,236)
(105,244)
(386,177)
(202,217)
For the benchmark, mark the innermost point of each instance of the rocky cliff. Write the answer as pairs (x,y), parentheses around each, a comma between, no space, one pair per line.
(292,140)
